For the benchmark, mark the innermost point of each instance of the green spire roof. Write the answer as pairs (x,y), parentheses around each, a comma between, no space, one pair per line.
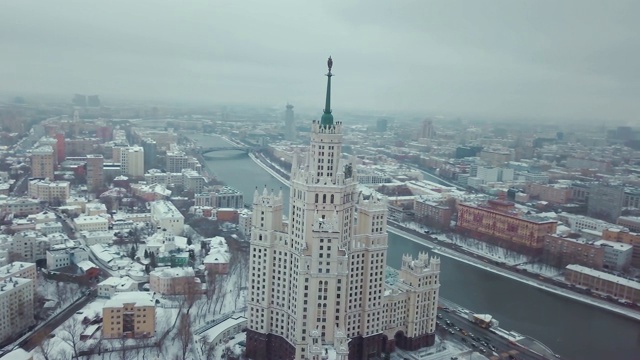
(327,118)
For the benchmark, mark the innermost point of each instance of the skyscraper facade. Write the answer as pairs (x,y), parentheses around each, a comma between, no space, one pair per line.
(150,153)
(318,282)
(289,124)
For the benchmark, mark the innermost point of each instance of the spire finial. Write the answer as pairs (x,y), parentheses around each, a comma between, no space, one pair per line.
(327,118)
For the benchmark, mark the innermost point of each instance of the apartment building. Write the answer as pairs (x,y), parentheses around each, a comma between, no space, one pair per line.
(498,222)
(132,161)
(16,306)
(432,213)
(627,237)
(561,251)
(617,256)
(604,283)
(42,162)
(129,314)
(50,191)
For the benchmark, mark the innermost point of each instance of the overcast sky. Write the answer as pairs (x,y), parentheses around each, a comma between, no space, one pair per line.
(547,59)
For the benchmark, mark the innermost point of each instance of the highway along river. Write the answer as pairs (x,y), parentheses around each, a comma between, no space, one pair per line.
(570,328)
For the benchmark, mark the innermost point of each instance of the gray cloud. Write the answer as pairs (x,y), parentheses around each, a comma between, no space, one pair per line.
(534,59)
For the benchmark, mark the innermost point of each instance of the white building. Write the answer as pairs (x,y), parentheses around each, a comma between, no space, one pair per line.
(193,181)
(132,161)
(49,228)
(97,237)
(61,256)
(580,222)
(29,245)
(317,282)
(51,191)
(114,284)
(167,216)
(95,208)
(91,223)
(244,222)
(617,256)
(16,306)
(20,269)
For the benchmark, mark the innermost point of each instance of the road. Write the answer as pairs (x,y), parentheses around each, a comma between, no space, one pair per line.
(503,346)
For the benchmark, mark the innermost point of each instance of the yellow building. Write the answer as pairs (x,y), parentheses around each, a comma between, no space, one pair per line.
(605,283)
(130,314)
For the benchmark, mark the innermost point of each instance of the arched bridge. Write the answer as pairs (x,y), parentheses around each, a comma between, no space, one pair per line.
(239,150)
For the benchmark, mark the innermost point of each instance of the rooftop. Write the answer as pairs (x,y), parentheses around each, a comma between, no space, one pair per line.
(89,219)
(133,297)
(604,276)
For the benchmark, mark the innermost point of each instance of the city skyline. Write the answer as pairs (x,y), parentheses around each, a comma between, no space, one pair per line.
(512,60)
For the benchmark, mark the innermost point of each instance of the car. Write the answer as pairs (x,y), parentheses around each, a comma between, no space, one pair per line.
(464,332)
(474,344)
(457,328)
(484,343)
(446,309)
(493,348)
(451,331)
(439,316)
(437,323)
(482,350)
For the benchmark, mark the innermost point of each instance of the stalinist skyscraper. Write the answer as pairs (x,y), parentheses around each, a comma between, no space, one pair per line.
(317,287)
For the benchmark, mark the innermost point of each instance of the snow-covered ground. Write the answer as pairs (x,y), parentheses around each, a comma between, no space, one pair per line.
(476,246)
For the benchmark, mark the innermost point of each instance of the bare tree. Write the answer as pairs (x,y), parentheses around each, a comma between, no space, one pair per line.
(45,347)
(70,334)
(184,334)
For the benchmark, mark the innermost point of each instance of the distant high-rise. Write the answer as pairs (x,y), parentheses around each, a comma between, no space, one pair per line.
(42,162)
(79,100)
(382,124)
(605,202)
(150,153)
(95,171)
(318,282)
(93,100)
(289,124)
(132,161)
(427,131)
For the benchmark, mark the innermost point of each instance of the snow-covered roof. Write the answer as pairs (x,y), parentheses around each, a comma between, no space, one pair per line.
(86,265)
(17,354)
(173,272)
(90,219)
(217,256)
(133,297)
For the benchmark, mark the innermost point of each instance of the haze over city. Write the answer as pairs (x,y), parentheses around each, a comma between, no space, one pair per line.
(570,60)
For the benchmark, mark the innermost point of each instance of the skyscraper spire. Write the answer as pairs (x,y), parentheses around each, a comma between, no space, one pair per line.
(327,118)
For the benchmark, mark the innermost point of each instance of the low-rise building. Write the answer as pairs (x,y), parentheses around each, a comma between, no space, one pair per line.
(113,285)
(50,191)
(173,281)
(627,237)
(60,256)
(555,194)
(617,256)
(97,237)
(630,222)
(30,246)
(129,314)
(561,251)
(50,228)
(604,283)
(217,260)
(91,223)
(167,216)
(21,206)
(227,329)
(95,208)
